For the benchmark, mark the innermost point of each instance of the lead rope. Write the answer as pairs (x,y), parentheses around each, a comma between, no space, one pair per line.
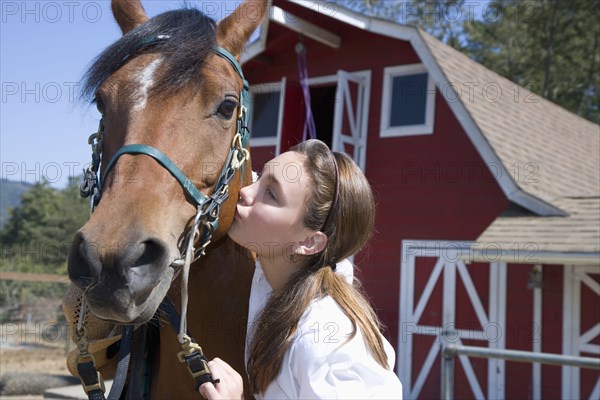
(185,273)
(207,216)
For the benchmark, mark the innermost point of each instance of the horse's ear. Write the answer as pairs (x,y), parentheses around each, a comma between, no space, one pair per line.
(128,14)
(235,30)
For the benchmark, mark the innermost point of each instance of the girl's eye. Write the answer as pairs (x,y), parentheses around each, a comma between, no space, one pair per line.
(227,108)
(271,194)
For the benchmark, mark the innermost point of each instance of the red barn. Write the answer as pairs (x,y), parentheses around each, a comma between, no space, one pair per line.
(488,196)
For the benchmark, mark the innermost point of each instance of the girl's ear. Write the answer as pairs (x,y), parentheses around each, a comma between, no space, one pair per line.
(313,244)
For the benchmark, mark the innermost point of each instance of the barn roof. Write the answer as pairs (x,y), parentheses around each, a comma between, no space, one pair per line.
(551,152)
(531,235)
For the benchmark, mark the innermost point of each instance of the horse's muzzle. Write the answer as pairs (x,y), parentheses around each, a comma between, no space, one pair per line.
(119,280)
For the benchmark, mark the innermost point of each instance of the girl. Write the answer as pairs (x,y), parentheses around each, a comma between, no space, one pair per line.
(311,332)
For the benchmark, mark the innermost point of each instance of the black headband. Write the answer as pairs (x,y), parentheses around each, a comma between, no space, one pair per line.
(335,194)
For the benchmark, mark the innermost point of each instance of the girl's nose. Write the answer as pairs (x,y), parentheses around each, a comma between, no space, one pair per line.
(246,195)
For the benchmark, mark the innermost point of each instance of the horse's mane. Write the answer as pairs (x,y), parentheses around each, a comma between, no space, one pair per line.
(191,36)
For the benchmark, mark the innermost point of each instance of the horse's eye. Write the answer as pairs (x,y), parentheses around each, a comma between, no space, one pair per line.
(99,104)
(227,108)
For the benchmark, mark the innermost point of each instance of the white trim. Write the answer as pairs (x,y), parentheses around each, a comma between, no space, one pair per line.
(471,377)
(531,202)
(330,9)
(537,342)
(426,293)
(270,87)
(480,252)
(472,293)
(389,73)
(298,25)
(570,388)
(595,394)
(355,113)
(448,263)
(427,365)
(568,330)
(405,309)
(574,341)
(497,314)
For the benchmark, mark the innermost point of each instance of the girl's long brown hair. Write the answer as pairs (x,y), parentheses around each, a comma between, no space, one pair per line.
(348,231)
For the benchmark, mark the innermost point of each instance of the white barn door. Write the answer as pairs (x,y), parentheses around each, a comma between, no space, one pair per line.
(578,278)
(449,268)
(351,115)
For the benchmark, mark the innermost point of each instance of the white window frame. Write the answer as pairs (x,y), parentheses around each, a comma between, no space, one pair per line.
(389,74)
(271,87)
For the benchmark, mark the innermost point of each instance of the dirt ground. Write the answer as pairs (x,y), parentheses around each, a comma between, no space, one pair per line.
(34,347)
(42,359)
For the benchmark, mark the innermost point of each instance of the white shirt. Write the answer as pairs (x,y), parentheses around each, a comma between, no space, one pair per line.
(321,363)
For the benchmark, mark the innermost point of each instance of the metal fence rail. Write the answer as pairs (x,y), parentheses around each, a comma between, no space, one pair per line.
(451,351)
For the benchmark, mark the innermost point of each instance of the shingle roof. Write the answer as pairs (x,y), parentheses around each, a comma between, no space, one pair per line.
(577,233)
(549,151)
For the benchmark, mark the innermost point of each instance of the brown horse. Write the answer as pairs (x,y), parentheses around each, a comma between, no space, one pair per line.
(162,85)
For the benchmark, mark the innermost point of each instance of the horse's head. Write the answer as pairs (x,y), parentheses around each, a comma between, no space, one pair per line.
(163,85)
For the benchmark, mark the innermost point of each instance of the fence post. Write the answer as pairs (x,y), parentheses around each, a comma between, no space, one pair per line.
(448,372)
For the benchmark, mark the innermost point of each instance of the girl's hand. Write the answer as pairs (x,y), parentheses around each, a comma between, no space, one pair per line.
(230,385)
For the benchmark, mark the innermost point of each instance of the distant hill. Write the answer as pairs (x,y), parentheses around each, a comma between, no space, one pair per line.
(10,197)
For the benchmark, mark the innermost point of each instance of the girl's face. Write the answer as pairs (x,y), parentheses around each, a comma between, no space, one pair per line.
(270,213)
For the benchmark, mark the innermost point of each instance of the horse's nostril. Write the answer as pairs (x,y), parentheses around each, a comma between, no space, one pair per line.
(152,251)
(84,263)
(142,260)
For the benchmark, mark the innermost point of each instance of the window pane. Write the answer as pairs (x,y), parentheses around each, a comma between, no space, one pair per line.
(265,113)
(409,100)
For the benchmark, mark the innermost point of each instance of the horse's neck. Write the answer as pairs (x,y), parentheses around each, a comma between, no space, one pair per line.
(219,289)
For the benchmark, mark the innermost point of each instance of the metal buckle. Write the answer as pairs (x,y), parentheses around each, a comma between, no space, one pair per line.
(85,357)
(243,110)
(99,385)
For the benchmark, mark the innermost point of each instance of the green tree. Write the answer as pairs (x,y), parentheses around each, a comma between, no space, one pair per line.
(37,237)
(549,46)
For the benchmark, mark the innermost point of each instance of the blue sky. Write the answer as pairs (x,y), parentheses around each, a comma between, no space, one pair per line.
(45,46)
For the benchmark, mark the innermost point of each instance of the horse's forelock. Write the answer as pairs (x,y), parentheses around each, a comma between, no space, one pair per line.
(191,37)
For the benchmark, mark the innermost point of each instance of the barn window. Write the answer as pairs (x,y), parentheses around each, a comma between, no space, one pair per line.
(408,101)
(265,115)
